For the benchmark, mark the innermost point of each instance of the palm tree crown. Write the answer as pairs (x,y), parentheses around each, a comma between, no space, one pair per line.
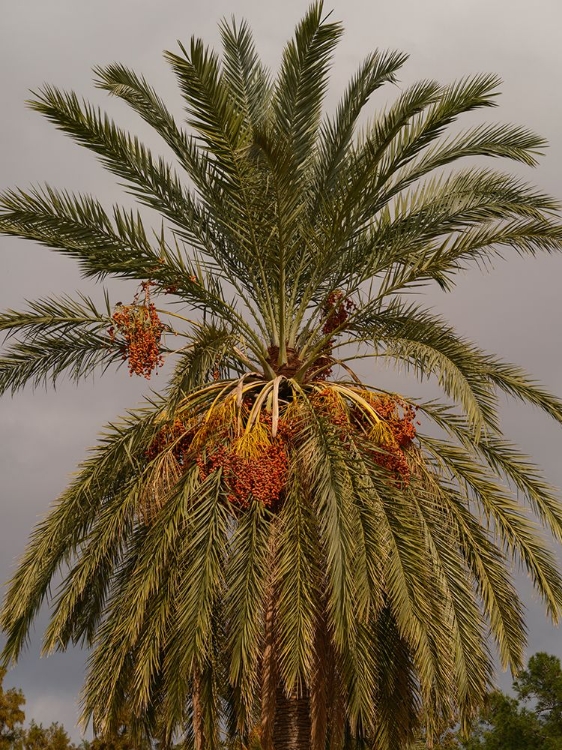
(271,550)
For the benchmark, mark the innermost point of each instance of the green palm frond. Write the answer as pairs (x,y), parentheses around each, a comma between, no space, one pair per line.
(210,110)
(337,133)
(501,140)
(503,458)
(55,336)
(125,84)
(514,381)
(410,231)
(201,563)
(60,534)
(302,82)
(330,485)
(79,226)
(152,181)
(420,340)
(357,175)
(247,79)
(497,593)
(47,357)
(395,686)
(248,576)
(297,582)
(213,350)
(512,524)
(56,314)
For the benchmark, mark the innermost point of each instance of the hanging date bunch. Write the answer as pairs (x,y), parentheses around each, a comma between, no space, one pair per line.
(254,464)
(261,477)
(174,438)
(386,421)
(335,311)
(250,431)
(251,453)
(393,434)
(140,331)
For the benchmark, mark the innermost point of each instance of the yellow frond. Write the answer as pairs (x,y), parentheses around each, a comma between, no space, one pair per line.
(253,442)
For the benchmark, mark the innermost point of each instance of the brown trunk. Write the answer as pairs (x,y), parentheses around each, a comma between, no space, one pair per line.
(337,718)
(268,677)
(320,688)
(327,705)
(285,720)
(292,729)
(198,721)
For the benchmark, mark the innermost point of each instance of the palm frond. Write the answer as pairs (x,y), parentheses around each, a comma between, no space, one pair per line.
(297,581)
(48,356)
(52,337)
(408,231)
(248,576)
(302,82)
(125,84)
(513,527)
(514,381)
(357,179)
(336,134)
(500,600)
(397,705)
(501,140)
(200,585)
(152,181)
(505,459)
(57,538)
(424,342)
(328,478)
(246,77)
(79,226)
(209,106)
(212,350)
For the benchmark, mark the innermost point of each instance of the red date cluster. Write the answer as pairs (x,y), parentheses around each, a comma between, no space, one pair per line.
(141,329)
(177,435)
(335,312)
(399,418)
(259,470)
(398,426)
(262,477)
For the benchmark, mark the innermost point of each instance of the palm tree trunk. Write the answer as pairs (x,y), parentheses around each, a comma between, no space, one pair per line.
(320,688)
(269,678)
(285,720)
(292,726)
(299,721)
(198,720)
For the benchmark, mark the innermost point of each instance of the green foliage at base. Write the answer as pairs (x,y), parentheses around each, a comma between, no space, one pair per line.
(531,720)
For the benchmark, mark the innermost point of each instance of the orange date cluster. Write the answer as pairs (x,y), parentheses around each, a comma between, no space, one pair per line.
(335,311)
(262,478)
(258,469)
(396,423)
(399,418)
(140,329)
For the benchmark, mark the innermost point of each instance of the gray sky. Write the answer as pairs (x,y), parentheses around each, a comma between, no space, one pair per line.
(514,310)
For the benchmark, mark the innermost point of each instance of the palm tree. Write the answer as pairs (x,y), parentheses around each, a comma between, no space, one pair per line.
(271,552)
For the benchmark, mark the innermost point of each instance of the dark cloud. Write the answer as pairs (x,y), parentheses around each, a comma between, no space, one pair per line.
(514,310)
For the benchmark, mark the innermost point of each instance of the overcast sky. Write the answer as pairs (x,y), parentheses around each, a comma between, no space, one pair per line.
(514,310)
